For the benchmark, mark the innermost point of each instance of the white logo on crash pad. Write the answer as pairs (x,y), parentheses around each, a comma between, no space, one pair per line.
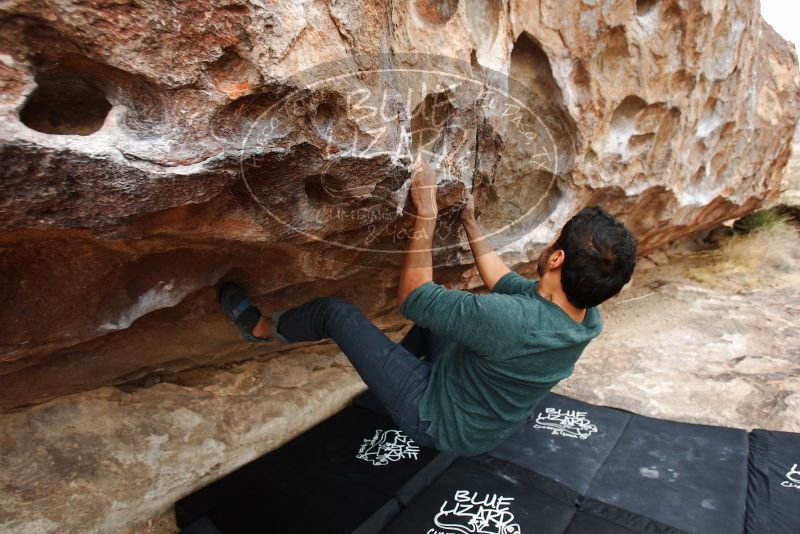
(472,512)
(568,423)
(387,446)
(792,478)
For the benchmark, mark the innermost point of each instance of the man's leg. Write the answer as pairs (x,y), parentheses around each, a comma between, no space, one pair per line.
(414,341)
(395,375)
(423,343)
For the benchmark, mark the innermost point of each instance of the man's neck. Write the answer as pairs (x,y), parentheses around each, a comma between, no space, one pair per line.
(557,297)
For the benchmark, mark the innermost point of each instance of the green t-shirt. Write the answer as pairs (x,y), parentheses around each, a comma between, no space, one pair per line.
(505,350)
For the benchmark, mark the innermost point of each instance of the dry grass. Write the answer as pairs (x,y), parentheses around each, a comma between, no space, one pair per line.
(764,256)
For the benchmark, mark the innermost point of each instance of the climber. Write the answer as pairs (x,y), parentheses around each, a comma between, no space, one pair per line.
(473,366)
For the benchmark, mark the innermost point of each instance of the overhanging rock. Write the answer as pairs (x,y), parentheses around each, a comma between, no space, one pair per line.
(151,149)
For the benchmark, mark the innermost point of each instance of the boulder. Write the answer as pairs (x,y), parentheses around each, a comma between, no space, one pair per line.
(151,149)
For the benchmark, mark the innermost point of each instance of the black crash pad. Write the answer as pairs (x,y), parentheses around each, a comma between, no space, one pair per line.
(595,517)
(687,476)
(485,494)
(773,492)
(201,526)
(674,475)
(573,468)
(565,439)
(354,469)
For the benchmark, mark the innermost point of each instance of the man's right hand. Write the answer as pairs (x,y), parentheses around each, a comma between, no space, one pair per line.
(423,189)
(468,211)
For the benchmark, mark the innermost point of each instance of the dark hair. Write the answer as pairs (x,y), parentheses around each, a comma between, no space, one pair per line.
(599,256)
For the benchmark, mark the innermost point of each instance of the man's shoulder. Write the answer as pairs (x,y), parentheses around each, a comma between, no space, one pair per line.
(594,320)
(554,329)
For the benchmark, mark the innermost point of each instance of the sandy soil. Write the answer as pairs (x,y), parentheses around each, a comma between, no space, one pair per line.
(708,336)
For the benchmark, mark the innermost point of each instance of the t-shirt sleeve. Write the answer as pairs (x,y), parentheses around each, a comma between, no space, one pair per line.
(513,283)
(485,323)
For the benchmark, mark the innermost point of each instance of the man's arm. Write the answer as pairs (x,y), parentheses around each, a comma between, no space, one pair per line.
(417,266)
(495,273)
(470,319)
(491,267)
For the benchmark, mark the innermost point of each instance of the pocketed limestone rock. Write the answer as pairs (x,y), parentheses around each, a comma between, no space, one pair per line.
(152,149)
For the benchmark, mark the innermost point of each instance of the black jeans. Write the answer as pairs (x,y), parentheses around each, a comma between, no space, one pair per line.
(395,372)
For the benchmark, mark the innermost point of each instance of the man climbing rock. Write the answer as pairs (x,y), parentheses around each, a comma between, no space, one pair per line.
(473,367)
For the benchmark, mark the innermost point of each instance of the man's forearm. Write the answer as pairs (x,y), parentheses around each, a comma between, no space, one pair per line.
(417,264)
(491,267)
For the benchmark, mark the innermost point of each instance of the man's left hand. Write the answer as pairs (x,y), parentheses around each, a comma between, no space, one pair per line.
(423,189)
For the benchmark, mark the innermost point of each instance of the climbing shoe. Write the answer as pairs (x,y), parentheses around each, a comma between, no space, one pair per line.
(240,310)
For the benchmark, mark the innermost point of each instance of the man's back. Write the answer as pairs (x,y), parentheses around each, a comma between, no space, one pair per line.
(507,349)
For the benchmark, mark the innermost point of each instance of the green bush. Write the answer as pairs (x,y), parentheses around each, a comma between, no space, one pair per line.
(759,220)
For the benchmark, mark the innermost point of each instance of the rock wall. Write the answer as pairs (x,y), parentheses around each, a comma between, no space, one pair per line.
(61,462)
(791,184)
(151,149)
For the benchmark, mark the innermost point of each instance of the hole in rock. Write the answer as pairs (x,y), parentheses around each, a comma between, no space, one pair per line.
(530,66)
(626,112)
(327,114)
(326,189)
(436,11)
(580,76)
(641,143)
(726,133)
(612,61)
(682,83)
(699,176)
(251,121)
(534,83)
(236,9)
(233,75)
(719,166)
(65,103)
(324,119)
(525,189)
(643,7)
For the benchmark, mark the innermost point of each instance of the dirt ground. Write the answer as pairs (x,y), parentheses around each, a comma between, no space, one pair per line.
(706,336)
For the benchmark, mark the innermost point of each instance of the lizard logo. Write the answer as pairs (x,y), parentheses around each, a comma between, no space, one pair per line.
(567,423)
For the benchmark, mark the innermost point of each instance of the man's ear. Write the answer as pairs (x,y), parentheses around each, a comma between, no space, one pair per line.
(556,259)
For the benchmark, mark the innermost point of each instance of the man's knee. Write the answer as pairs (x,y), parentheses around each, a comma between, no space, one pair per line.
(335,300)
(337,312)
(339,305)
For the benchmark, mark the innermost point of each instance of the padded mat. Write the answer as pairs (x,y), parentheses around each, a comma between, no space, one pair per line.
(691,477)
(773,492)
(484,494)
(595,517)
(352,465)
(572,468)
(566,440)
(201,526)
